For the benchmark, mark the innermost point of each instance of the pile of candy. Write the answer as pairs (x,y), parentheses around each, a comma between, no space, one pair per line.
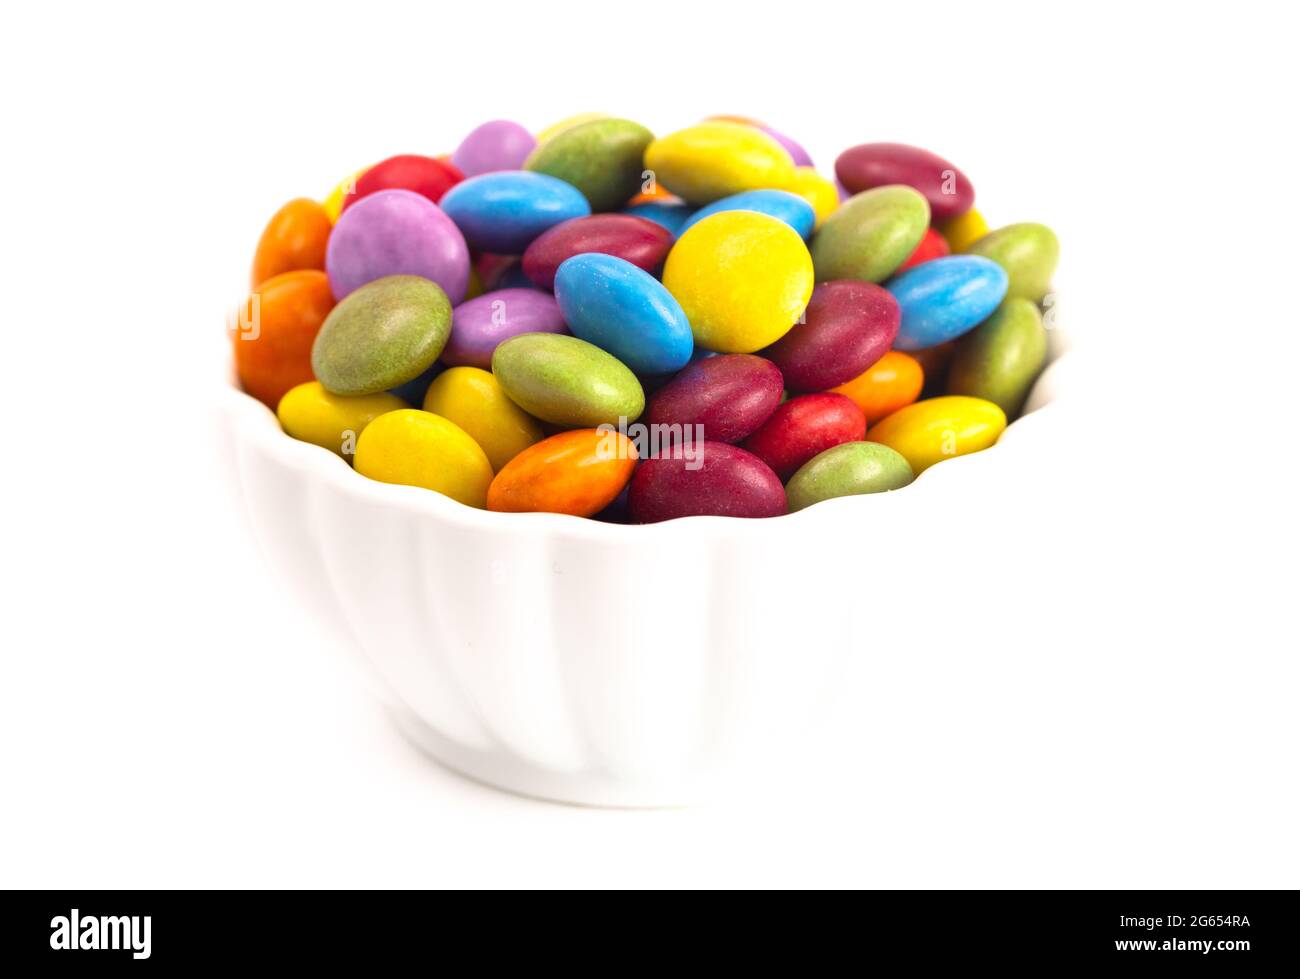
(598,322)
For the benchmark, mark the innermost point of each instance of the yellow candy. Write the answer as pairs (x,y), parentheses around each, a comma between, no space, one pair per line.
(475,288)
(556,128)
(333,202)
(712,160)
(743,279)
(417,448)
(936,429)
(473,399)
(964,230)
(816,190)
(309,413)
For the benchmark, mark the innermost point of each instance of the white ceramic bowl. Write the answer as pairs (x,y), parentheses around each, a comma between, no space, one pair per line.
(613,665)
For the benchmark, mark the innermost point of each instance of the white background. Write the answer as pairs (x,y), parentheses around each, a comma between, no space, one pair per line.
(168,718)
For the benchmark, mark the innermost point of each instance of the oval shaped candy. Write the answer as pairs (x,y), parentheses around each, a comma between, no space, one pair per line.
(705,479)
(475,400)
(413,391)
(418,448)
(669,216)
(421,175)
(278,325)
(936,429)
(603,158)
(496,145)
(309,413)
(479,325)
(847,327)
(555,128)
(870,235)
(871,165)
(578,473)
(345,188)
(803,427)
(386,333)
(819,192)
(798,154)
(742,278)
(567,381)
(295,238)
(944,298)
(703,163)
(1027,252)
(643,243)
(396,232)
(503,212)
(625,311)
(850,469)
(933,245)
(964,230)
(779,204)
(890,383)
(1000,359)
(727,396)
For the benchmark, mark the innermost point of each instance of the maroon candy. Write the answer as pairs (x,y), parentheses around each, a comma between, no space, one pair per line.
(877,164)
(805,426)
(731,395)
(847,327)
(625,236)
(704,479)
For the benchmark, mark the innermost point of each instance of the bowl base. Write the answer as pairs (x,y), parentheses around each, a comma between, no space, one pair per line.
(500,771)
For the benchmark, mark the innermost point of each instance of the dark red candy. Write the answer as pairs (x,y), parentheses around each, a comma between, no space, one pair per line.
(422,174)
(933,245)
(730,395)
(877,164)
(704,479)
(847,327)
(625,236)
(805,426)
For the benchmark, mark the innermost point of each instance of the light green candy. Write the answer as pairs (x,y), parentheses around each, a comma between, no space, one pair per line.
(382,335)
(603,158)
(1027,252)
(999,360)
(871,234)
(849,469)
(567,381)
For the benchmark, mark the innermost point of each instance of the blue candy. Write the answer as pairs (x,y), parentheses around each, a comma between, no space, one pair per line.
(780,204)
(503,212)
(625,311)
(669,216)
(945,297)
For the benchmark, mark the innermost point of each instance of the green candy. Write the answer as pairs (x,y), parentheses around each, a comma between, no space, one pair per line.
(567,381)
(603,158)
(848,469)
(384,334)
(1000,358)
(871,234)
(1028,252)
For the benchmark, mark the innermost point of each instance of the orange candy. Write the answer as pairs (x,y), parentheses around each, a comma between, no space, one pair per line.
(579,472)
(294,238)
(277,327)
(892,382)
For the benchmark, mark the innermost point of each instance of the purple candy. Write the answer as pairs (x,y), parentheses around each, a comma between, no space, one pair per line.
(477,326)
(797,152)
(496,145)
(396,232)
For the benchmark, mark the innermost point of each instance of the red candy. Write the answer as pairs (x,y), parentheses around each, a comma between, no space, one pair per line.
(877,164)
(633,239)
(711,479)
(847,327)
(933,245)
(805,426)
(730,395)
(422,174)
